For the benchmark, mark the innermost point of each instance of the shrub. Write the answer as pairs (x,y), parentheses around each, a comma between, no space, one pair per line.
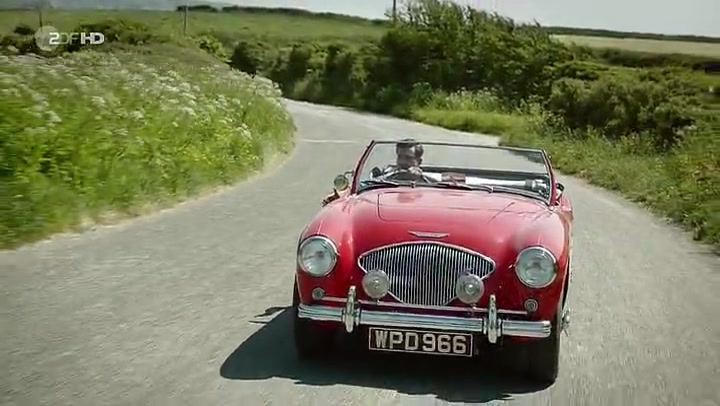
(212,45)
(247,57)
(622,105)
(23,44)
(24,29)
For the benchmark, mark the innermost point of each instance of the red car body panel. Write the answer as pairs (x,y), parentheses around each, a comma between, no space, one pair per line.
(497,225)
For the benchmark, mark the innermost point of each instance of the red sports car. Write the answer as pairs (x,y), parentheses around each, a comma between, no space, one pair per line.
(446,249)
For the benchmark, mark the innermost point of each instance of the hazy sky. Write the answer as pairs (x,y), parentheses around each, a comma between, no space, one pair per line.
(698,17)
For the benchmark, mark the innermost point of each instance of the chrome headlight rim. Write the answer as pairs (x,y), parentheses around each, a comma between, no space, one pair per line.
(385,279)
(333,251)
(544,251)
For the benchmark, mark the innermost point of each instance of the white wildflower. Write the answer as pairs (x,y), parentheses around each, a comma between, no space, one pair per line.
(11,92)
(62,92)
(53,118)
(187,110)
(98,101)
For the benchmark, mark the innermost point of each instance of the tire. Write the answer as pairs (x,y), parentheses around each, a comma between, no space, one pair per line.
(310,341)
(543,356)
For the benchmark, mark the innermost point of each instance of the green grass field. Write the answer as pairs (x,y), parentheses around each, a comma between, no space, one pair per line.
(270,27)
(277,27)
(646,45)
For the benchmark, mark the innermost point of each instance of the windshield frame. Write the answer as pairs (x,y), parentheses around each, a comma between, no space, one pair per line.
(551,201)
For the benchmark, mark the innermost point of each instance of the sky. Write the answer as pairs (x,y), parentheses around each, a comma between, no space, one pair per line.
(693,17)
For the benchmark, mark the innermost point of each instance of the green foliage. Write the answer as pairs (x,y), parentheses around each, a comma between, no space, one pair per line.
(124,31)
(636,59)
(641,131)
(212,46)
(247,57)
(24,29)
(681,185)
(22,43)
(92,134)
(642,124)
(622,105)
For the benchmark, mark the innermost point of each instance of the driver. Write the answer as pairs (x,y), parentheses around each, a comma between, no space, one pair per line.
(408,158)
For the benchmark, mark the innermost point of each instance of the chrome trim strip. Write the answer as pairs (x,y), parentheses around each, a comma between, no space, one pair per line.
(351,315)
(424,234)
(423,307)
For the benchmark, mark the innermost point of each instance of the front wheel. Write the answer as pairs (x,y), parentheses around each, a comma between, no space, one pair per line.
(310,341)
(543,356)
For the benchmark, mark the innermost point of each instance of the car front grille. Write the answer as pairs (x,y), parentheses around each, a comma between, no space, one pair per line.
(424,273)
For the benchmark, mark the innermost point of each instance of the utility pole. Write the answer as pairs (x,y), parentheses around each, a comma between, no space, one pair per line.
(394,11)
(40,12)
(185,19)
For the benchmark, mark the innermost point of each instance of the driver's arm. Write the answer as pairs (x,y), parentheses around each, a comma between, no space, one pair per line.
(334,196)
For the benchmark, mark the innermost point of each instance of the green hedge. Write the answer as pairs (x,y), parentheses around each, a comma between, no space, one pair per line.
(647,132)
(111,132)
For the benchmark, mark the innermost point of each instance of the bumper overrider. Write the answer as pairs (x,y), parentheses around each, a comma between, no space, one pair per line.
(490,324)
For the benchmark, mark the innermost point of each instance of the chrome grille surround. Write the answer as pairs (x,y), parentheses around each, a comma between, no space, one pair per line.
(424,272)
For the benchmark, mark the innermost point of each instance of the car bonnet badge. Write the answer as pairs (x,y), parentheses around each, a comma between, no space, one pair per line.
(423,234)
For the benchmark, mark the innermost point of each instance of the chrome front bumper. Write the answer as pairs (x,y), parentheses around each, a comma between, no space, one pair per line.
(489,324)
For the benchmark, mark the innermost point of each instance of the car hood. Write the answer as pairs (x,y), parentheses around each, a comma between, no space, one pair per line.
(489,223)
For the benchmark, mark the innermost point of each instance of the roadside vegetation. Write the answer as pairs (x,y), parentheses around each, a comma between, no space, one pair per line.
(93,135)
(640,122)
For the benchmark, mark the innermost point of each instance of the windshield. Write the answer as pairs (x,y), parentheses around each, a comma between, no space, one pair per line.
(455,166)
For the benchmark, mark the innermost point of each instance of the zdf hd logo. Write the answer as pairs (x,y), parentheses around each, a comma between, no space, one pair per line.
(47,38)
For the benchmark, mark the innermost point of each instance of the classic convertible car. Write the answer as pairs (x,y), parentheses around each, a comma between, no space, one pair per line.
(471,255)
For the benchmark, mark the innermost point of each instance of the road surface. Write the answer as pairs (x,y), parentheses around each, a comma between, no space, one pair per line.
(189,306)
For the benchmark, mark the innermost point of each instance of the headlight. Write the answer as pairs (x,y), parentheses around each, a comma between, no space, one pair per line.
(536,267)
(317,256)
(469,288)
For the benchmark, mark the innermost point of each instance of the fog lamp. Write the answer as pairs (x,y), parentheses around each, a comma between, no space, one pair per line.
(531,305)
(318,293)
(469,288)
(376,284)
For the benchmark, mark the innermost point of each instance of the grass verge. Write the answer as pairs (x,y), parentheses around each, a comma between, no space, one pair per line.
(94,133)
(682,186)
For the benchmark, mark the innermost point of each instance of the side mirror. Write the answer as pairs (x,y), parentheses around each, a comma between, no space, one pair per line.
(560,189)
(341,182)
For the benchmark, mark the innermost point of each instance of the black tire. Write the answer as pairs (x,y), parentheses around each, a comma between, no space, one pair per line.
(310,342)
(543,356)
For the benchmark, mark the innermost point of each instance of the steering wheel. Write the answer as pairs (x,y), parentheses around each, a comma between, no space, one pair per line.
(406,175)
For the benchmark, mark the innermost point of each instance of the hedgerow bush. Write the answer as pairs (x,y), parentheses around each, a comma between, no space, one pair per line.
(449,48)
(89,133)
(643,131)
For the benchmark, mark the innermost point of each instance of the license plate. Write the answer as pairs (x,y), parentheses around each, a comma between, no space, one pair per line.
(425,342)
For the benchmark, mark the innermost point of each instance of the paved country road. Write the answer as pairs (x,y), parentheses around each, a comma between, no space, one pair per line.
(188,306)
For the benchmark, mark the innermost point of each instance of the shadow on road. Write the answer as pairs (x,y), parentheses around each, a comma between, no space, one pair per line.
(270,353)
